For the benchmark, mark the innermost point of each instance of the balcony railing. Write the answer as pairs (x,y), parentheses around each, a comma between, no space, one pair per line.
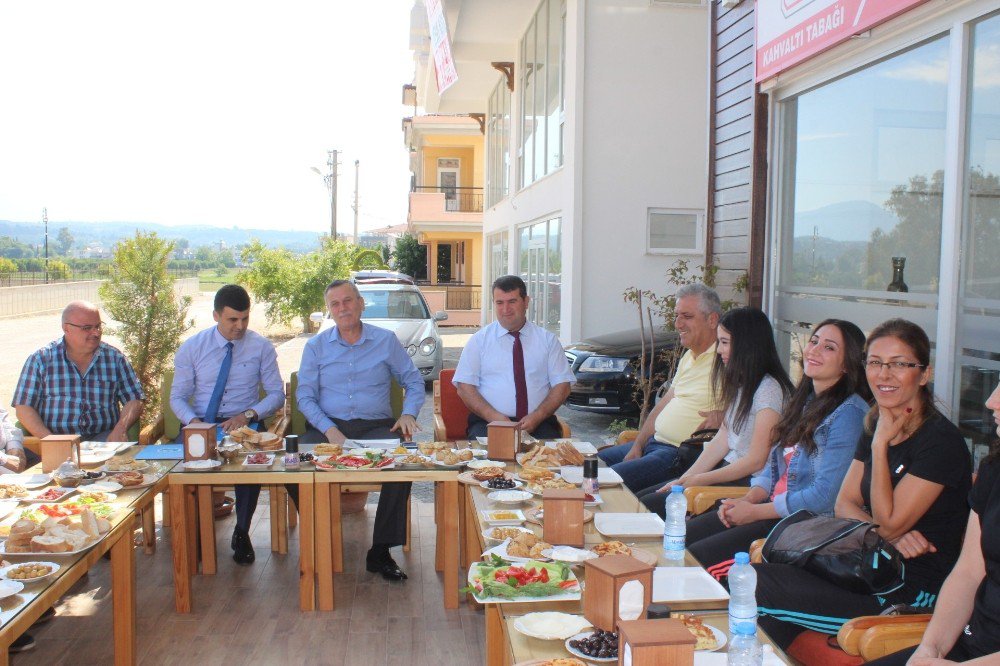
(457,199)
(465,297)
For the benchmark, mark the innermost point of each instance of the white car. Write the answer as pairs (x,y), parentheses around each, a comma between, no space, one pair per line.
(401,308)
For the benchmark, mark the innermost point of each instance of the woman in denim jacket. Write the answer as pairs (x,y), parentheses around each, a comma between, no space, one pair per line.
(815,441)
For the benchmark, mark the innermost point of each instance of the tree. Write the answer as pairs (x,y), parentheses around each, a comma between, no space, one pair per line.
(140,294)
(411,256)
(64,241)
(293,285)
(7,267)
(59,270)
(368,259)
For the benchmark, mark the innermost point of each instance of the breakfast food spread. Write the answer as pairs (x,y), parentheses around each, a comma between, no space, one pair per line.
(487,473)
(126,463)
(569,454)
(526,544)
(501,483)
(128,478)
(12,491)
(600,644)
(328,450)
(429,448)
(704,636)
(29,571)
(501,533)
(529,473)
(413,459)
(611,548)
(56,535)
(447,457)
(562,661)
(541,456)
(549,484)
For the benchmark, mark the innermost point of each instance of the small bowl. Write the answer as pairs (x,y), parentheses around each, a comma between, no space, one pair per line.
(67,481)
(229,454)
(92,477)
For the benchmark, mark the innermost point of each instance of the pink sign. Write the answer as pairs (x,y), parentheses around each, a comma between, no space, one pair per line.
(790,31)
(444,66)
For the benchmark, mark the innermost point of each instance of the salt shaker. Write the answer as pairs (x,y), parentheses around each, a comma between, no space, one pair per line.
(291,451)
(590,484)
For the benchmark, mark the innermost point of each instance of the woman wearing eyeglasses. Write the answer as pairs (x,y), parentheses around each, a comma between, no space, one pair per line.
(911,475)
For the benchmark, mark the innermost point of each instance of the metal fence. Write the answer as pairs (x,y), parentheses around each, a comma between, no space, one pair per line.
(457,199)
(463,297)
(28,278)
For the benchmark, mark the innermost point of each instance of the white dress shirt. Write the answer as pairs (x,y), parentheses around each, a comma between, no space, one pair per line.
(254,366)
(487,363)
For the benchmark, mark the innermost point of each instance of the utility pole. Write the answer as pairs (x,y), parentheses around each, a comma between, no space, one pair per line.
(355,206)
(332,163)
(45,219)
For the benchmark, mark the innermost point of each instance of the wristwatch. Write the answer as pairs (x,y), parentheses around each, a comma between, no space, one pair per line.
(250,415)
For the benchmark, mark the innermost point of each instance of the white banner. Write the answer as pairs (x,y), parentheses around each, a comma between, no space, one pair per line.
(444,66)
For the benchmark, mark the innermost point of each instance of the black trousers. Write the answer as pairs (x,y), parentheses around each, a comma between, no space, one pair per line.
(714,545)
(390,517)
(656,501)
(547,429)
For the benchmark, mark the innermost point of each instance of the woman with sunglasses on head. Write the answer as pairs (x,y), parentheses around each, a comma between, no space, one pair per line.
(966,623)
(748,378)
(911,475)
(813,443)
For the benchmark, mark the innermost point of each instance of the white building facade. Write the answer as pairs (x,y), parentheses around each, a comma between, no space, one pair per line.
(596,162)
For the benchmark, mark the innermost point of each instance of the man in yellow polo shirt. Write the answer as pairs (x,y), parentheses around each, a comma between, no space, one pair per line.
(656,456)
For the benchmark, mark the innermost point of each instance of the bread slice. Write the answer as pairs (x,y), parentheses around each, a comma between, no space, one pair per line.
(49,544)
(88,522)
(103,525)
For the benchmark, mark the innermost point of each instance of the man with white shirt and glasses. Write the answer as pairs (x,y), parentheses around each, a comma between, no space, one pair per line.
(513,369)
(219,374)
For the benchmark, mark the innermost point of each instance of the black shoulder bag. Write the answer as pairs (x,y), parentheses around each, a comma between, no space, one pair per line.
(848,553)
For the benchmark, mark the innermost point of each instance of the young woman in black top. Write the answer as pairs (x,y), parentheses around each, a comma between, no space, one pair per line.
(966,623)
(910,475)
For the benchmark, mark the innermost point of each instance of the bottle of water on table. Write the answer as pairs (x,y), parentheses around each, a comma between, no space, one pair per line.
(674,526)
(742,594)
(744,649)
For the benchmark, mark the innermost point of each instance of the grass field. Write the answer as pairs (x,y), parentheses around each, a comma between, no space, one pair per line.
(210,280)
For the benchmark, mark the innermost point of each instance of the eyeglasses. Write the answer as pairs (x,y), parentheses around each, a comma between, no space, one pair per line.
(88,328)
(871,365)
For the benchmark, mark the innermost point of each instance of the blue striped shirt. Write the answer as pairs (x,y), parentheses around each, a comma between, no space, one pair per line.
(71,403)
(344,381)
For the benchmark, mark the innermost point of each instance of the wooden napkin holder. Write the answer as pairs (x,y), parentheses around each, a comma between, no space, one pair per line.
(654,643)
(57,448)
(199,441)
(503,440)
(605,577)
(563,517)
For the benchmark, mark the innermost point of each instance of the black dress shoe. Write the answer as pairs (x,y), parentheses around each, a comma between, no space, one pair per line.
(243,555)
(386,566)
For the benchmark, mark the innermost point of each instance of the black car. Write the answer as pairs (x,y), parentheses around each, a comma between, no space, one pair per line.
(606,374)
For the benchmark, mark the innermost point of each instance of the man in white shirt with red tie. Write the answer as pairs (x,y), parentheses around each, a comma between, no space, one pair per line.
(513,369)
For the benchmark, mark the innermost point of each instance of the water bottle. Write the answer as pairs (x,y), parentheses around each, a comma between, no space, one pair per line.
(744,649)
(742,594)
(674,527)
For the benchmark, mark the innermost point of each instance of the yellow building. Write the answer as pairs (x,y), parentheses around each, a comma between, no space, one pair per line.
(446,208)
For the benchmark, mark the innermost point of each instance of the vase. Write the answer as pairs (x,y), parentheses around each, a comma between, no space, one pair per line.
(898,284)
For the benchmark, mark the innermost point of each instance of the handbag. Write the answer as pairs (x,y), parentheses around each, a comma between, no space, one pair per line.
(848,553)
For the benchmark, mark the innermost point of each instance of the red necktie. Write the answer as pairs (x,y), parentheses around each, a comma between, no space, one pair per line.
(520,383)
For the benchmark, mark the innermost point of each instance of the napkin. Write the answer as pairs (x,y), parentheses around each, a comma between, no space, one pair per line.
(630,600)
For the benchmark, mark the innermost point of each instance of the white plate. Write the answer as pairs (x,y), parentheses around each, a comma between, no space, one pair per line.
(489,517)
(720,638)
(495,541)
(480,464)
(195,465)
(3,550)
(29,481)
(501,551)
(106,486)
(569,595)
(550,626)
(150,479)
(8,507)
(569,555)
(677,584)
(382,444)
(576,653)
(94,453)
(107,497)
(267,465)
(629,524)
(9,588)
(459,465)
(140,465)
(605,475)
(476,453)
(34,497)
(509,496)
(52,565)
(485,485)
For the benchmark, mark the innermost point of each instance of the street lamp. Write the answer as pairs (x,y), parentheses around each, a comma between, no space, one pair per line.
(330,179)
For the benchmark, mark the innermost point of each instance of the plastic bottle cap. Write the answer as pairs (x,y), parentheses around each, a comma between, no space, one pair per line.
(676,489)
(745,629)
(742,558)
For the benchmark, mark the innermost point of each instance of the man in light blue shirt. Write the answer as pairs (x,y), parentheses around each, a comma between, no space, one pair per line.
(344,382)
(253,366)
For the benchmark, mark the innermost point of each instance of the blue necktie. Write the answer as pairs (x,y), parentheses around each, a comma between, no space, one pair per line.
(212,413)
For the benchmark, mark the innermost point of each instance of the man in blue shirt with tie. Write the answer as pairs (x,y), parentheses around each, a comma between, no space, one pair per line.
(344,382)
(218,377)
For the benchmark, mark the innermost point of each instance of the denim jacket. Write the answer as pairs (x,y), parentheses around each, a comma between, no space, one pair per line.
(814,480)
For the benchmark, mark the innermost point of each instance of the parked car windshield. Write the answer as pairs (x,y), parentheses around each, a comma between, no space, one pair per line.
(385,304)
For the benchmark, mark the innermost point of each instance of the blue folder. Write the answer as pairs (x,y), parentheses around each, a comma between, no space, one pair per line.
(161,452)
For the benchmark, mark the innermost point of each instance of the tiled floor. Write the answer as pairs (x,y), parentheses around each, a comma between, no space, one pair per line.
(251,616)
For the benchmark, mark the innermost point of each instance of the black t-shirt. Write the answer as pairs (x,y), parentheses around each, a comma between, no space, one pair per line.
(983,635)
(936,452)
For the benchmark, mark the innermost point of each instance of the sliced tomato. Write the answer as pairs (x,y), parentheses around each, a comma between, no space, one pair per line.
(544,577)
(567,584)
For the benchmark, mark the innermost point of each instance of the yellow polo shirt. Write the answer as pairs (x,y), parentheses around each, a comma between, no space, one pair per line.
(692,387)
